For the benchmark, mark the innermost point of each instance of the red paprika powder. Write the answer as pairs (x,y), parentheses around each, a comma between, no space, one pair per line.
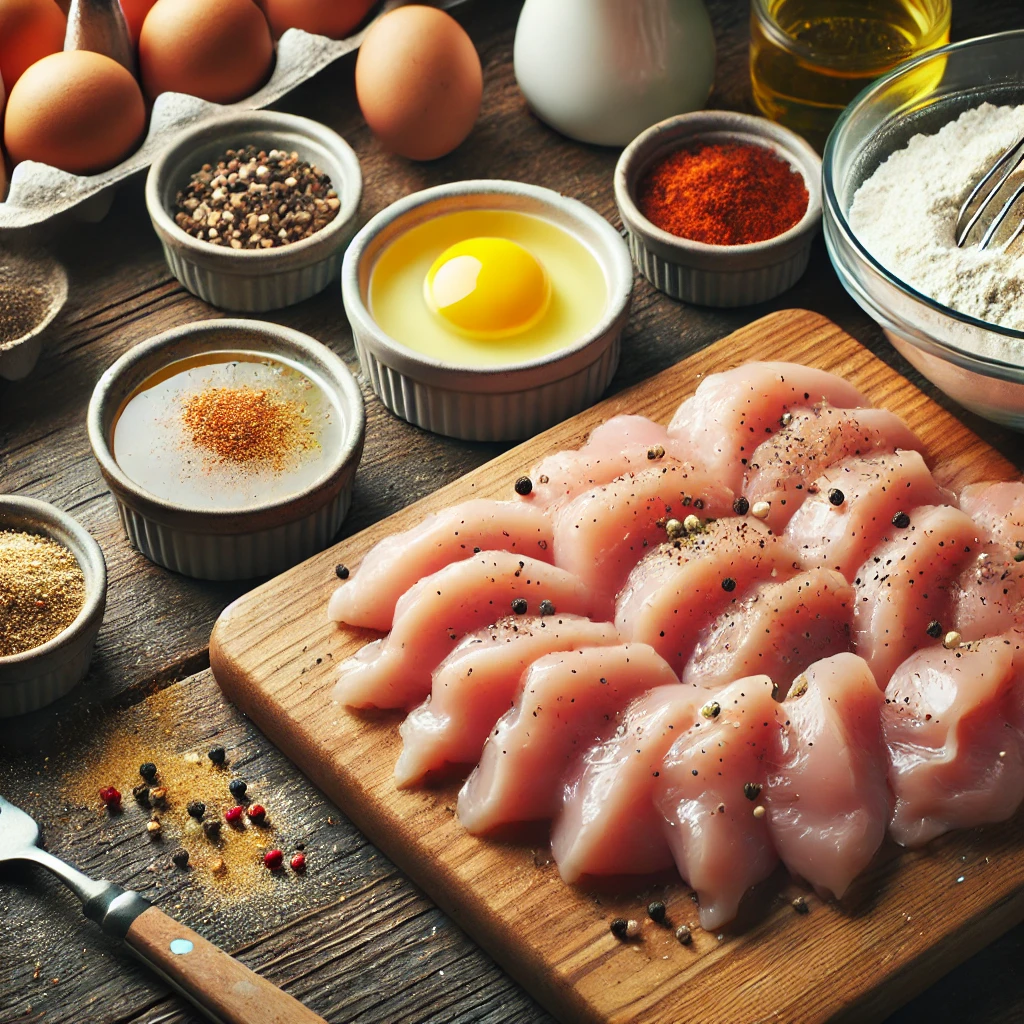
(723,193)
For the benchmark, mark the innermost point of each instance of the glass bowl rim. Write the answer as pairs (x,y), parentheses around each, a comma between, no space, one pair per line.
(833,209)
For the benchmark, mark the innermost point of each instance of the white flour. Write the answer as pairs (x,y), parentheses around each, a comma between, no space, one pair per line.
(905,215)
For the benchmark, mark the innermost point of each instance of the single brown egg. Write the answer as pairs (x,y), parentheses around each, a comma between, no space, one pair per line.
(29,31)
(419,82)
(76,110)
(219,51)
(135,12)
(334,18)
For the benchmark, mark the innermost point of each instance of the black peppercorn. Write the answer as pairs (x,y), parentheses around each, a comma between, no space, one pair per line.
(547,608)
(217,755)
(934,629)
(801,906)
(684,935)
(180,858)
(237,788)
(618,927)
(148,771)
(656,911)
(141,794)
(836,496)
(524,485)
(751,790)
(741,506)
(211,828)
(519,606)
(196,809)
(901,520)
(341,571)
(728,584)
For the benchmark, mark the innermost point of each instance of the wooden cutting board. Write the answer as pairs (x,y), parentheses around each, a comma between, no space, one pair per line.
(907,921)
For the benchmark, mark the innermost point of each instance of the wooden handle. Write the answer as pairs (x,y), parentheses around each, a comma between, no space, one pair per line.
(220,986)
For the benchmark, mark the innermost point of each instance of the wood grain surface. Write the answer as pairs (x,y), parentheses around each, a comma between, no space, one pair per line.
(360,943)
(275,656)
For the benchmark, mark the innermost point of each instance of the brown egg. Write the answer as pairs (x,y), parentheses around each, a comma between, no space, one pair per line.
(334,18)
(135,12)
(76,110)
(419,82)
(219,51)
(29,31)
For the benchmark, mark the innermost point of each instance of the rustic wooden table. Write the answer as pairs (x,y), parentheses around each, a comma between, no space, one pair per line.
(354,938)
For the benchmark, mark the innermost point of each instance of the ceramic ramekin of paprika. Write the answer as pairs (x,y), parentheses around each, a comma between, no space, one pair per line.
(37,677)
(717,275)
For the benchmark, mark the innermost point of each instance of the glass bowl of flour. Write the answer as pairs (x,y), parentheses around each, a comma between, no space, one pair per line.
(899,164)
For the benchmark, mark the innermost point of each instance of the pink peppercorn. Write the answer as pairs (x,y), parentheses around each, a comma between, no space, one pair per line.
(299,862)
(233,814)
(111,797)
(257,813)
(273,859)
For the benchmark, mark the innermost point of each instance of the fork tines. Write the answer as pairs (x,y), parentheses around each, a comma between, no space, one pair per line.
(984,193)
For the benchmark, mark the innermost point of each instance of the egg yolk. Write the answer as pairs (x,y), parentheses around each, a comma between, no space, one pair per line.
(488,288)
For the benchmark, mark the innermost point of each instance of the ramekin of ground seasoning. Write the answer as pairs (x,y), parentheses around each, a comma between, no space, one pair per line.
(52,596)
(33,290)
(254,210)
(720,208)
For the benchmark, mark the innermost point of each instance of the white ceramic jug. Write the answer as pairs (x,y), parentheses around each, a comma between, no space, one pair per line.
(604,70)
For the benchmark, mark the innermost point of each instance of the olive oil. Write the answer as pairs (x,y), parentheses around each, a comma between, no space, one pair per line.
(810,58)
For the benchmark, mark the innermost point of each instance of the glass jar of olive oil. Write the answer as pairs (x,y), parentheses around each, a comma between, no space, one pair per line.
(809,58)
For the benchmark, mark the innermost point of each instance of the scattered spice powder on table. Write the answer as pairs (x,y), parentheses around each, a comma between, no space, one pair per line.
(244,425)
(723,193)
(22,308)
(42,590)
(251,199)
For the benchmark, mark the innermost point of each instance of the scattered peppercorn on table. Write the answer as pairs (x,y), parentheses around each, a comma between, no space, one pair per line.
(320,911)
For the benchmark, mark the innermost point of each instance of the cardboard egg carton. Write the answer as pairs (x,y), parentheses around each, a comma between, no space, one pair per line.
(42,198)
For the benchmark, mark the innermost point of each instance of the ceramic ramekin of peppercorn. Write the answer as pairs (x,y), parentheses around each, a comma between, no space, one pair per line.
(230,446)
(254,210)
(53,586)
(720,208)
(487,310)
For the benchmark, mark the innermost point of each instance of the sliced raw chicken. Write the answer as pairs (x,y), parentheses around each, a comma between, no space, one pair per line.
(704,792)
(478,682)
(432,616)
(778,629)
(623,444)
(999,507)
(956,761)
(608,824)
(731,413)
(873,489)
(682,586)
(907,584)
(569,703)
(827,795)
(603,533)
(396,563)
(783,468)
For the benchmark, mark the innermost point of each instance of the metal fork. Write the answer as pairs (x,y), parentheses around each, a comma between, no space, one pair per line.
(219,986)
(984,195)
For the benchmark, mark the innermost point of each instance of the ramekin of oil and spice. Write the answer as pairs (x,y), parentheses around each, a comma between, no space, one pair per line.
(254,210)
(231,446)
(720,208)
(53,587)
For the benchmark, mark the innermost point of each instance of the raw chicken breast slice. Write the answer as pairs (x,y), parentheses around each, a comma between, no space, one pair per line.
(432,616)
(703,793)
(396,563)
(827,794)
(874,490)
(478,682)
(782,468)
(956,759)
(620,445)
(608,824)
(603,533)
(731,413)
(989,598)
(569,703)
(682,586)
(907,584)
(778,629)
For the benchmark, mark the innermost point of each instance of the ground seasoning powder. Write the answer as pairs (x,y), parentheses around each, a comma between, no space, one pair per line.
(244,425)
(723,193)
(42,590)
